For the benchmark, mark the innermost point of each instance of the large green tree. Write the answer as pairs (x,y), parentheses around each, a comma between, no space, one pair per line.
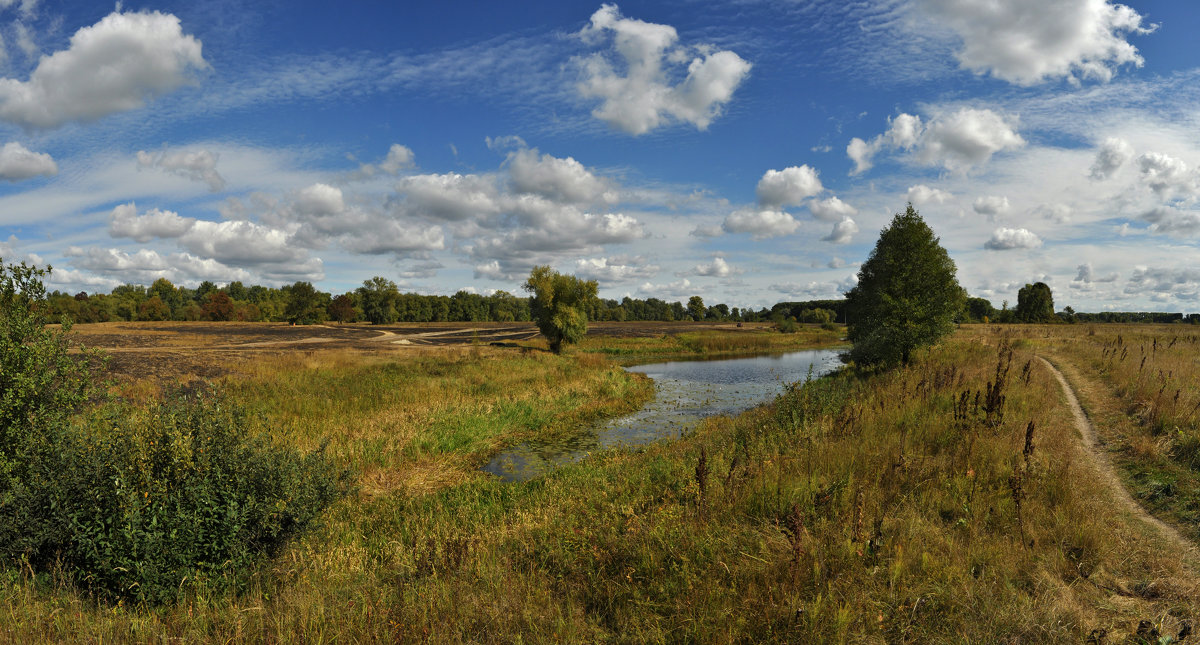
(907,294)
(1035,303)
(378,297)
(559,305)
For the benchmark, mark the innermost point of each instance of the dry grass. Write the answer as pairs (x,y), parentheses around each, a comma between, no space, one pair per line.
(857,510)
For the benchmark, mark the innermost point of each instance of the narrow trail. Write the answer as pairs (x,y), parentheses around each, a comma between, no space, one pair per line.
(1108,472)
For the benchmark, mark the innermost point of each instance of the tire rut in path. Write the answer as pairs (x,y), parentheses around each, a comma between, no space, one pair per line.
(1108,472)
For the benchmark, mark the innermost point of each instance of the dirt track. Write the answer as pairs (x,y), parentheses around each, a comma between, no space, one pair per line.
(1108,472)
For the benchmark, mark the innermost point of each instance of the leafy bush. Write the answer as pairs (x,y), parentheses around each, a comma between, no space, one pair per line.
(140,504)
(134,503)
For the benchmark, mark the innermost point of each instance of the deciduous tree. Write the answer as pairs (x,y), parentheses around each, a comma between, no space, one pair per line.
(559,305)
(907,294)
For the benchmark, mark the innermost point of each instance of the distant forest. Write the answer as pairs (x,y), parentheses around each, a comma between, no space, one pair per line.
(380,301)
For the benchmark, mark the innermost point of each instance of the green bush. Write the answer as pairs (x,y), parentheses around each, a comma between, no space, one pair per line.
(136,503)
(142,503)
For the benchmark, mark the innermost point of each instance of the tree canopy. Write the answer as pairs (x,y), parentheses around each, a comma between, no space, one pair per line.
(1035,303)
(559,305)
(907,294)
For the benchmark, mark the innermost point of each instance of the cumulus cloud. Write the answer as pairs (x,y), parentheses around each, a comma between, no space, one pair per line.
(681,289)
(1183,284)
(1167,176)
(814,290)
(760,223)
(615,269)
(124,221)
(1004,239)
(957,140)
(398,158)
(1085,276)
(18,162)
(200,165)
(113,66)
(451,196)
(642,98)
(718,268)
(991,206)
(788,187)
(708,231)
(1026,42)
(1172,221)
(832,209)
(241,243)
(1113,153)
(146,265)
(1057,213)
(319,200)
(922,194)
(967,137)
(556,178)
(842,232)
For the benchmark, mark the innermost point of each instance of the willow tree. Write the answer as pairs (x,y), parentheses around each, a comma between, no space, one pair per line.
(559,305)
(907,294)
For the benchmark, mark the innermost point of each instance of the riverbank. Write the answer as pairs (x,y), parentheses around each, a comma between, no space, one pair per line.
(884,509)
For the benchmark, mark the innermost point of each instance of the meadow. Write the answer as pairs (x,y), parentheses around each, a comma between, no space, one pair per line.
(952,500)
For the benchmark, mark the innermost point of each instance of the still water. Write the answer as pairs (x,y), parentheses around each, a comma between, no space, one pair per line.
(686,392)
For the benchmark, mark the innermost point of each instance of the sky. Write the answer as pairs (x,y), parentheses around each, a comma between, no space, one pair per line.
(747,152)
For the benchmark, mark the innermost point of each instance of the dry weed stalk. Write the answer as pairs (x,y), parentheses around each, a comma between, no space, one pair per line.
(993,405)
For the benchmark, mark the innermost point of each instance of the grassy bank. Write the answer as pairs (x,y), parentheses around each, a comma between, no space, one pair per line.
(896,508)
(712,343)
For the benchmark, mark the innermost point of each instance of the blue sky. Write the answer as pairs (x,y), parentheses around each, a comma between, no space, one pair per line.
(748,152)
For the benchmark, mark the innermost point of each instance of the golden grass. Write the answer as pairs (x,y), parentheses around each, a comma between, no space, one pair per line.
(851,510)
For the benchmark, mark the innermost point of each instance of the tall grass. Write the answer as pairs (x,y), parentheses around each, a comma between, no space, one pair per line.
(852,509)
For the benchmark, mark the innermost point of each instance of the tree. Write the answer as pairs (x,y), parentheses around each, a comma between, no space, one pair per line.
(218,306)
(41,380)
(980,310)
(378,297)
(558,305)
(306,305)
(341,308)
(1035,303)
(695,308)
(907,294)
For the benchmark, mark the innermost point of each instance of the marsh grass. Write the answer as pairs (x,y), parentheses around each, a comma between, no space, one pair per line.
(852,509)
(712,343)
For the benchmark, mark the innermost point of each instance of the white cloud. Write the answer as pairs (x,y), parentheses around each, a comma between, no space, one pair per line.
(706,230)
(113,66)
(17,162)
(680,289)
(1029,41)
(125,222)
(967,137)
(922,194)
(957,140)
(832,209)
(643,98)
(320,200)
(240,243)
(1172,221)
(1183,284)
(842,232)
(200,165)
(555,178)
(398,158)
(788,187)
(615,269)
(1110,157)
(991,206)
(761,223)
(451,196)
(1167,176)
(718,268)
(1004,239)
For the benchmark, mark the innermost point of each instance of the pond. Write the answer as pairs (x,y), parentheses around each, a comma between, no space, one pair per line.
(686,392)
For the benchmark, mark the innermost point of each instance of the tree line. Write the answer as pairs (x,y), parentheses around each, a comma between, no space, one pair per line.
(378,301)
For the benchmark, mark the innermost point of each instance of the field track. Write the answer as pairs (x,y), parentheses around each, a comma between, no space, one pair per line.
(1108,473)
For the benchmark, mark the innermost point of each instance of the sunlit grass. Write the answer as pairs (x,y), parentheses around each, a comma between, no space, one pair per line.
(850,510)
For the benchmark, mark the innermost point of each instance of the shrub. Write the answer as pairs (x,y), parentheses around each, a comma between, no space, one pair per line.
(141,504)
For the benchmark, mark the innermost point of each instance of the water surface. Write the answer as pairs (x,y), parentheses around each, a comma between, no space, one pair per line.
(685,393)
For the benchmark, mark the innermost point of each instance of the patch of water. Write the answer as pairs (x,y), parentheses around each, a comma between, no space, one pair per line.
(685,393)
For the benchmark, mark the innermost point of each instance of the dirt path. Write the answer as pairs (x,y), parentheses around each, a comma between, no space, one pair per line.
(1108,472)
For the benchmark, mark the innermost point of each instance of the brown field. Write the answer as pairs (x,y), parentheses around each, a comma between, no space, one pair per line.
(184,351)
